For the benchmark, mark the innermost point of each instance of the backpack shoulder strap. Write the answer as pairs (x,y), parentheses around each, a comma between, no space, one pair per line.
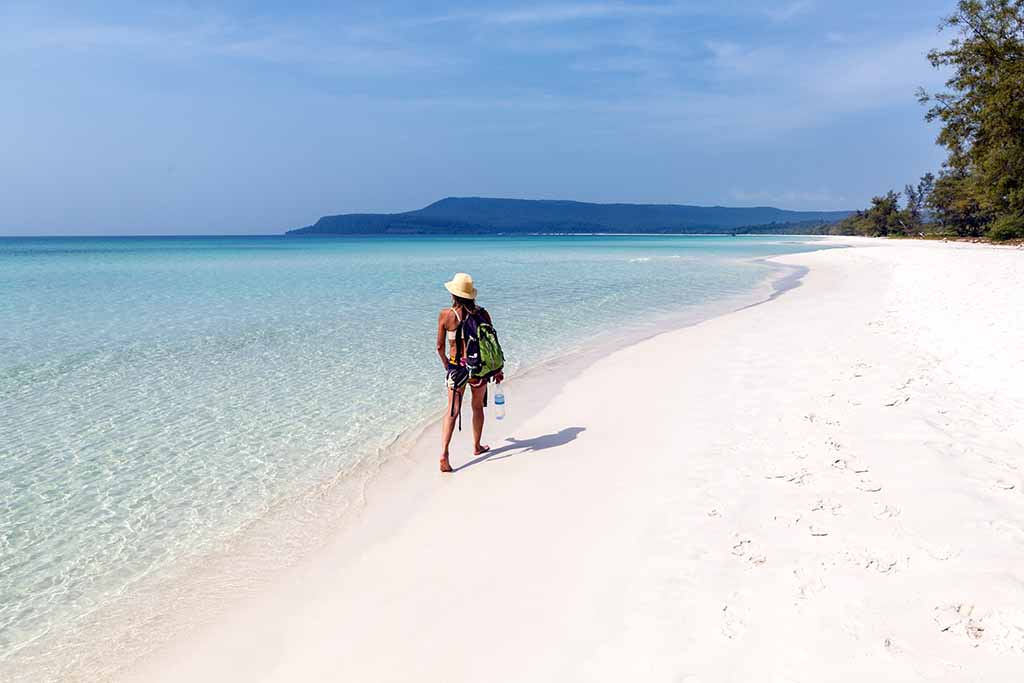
(458,339)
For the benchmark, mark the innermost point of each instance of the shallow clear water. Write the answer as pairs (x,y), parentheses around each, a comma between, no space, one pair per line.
(156,394)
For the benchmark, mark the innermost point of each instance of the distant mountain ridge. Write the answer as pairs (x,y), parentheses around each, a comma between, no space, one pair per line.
(482,215)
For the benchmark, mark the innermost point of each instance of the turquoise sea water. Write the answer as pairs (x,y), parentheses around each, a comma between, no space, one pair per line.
(158,394)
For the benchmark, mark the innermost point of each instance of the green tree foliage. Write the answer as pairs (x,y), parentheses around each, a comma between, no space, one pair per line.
(1008,227)
(982,112)
(918,199)
(882,219)
(884,216)
(980,189)
(956,206)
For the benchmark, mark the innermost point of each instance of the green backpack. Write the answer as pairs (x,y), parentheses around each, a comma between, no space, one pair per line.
(484,357)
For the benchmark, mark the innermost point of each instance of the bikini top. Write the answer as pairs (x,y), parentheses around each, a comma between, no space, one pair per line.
(451,333)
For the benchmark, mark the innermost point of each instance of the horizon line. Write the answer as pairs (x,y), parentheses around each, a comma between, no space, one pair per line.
(396,213)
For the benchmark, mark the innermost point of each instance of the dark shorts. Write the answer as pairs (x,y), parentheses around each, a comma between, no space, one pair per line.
(458,377)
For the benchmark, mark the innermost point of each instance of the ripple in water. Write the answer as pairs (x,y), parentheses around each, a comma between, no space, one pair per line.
(158,395)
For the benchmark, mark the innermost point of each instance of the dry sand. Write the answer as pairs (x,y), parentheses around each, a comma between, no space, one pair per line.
(826,487)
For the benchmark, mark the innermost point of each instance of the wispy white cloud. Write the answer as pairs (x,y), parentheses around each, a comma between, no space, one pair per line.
(561,13)
(731,61)
(878,73)
(198,36)
(790,10)
(710,82)
(547,14)
(833,77)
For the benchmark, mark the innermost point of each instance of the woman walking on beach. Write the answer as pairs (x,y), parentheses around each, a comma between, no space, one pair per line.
(469,351)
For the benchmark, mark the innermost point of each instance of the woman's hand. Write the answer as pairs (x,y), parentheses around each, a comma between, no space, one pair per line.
(498,377)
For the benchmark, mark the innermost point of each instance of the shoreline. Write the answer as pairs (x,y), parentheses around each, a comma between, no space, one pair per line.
(178,602)
(826,479)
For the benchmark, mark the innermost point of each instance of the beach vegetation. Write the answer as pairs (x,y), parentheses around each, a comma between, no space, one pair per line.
(1007,228)
(979,190)
(887,218)
(956,206)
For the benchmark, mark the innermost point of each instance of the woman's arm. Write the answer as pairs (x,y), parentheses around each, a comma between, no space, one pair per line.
(442,339)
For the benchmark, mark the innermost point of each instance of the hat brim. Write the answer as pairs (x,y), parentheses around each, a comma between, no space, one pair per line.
(459,291)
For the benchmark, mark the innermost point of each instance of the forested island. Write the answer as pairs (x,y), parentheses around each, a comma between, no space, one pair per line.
(485,216)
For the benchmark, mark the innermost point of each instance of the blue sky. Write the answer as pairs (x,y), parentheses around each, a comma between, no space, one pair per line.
(255,117)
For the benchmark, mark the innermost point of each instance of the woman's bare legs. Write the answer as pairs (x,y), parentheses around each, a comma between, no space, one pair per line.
(448,426)
(478,417)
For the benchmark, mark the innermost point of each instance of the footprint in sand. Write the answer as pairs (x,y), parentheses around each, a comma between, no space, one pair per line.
(791,519)
(995,484)
(850,465)
(883,565)
(748,550)
(1005,631)
(809,588)
(998,630)
(798,478)
(890,646)
(808,584)
(869,485)
(885,511)
(817,530)
(940,552)
(947,616)
(878,562)
(1007,529)
(962,620)
(832,506)
(734,620)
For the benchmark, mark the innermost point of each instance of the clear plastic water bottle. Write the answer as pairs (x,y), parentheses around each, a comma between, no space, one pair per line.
(499,402)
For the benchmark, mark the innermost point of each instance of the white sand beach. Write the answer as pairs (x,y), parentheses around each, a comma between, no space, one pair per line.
(825,487)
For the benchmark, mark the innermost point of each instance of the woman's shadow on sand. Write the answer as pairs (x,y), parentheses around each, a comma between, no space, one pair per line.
(517,446)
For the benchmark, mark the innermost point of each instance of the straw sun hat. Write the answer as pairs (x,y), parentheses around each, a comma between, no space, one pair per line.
(461,285)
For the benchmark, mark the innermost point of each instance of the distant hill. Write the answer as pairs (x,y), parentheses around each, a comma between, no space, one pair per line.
(483,216)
